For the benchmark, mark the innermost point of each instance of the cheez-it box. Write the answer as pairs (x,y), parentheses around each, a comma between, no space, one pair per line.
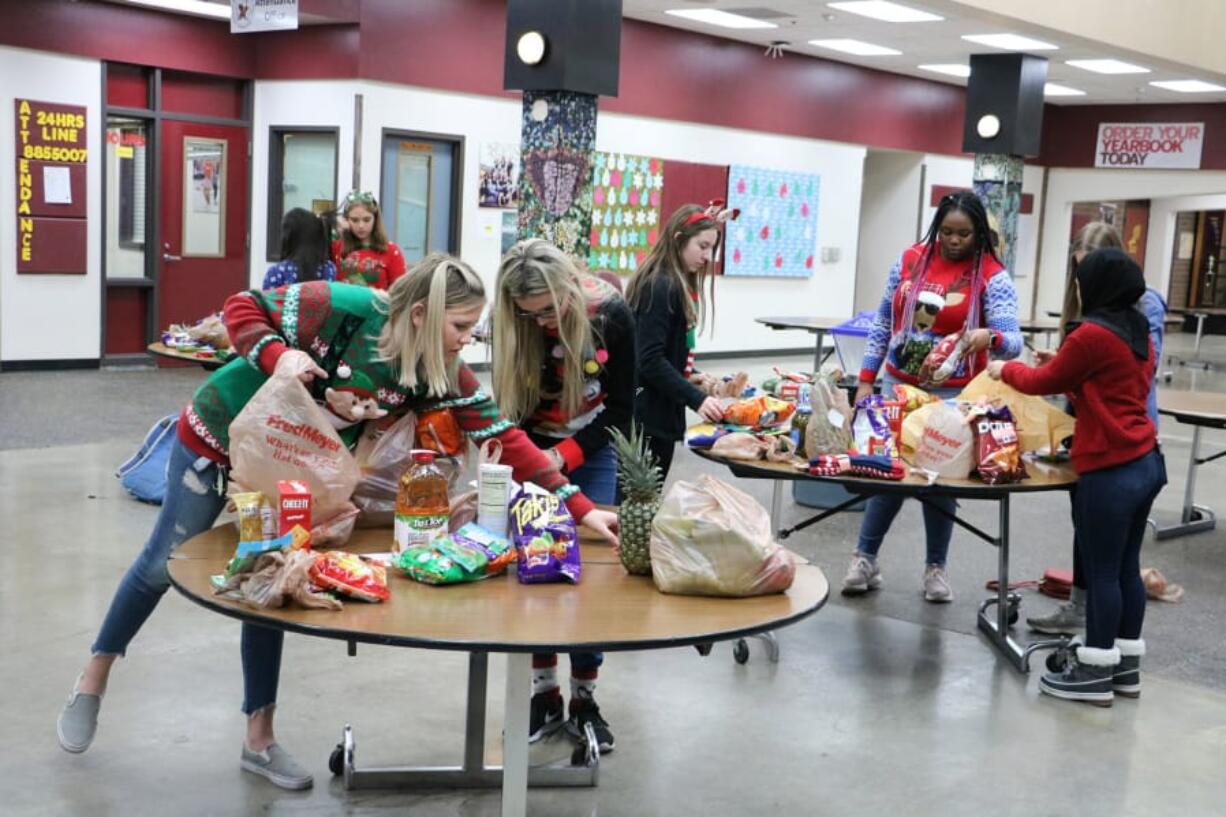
(293,505)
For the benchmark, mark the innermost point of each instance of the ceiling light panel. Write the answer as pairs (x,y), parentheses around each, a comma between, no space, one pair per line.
(723,19)
(885,11)
(1055,89)
(1010,42)
(858,48)
(1107,66)
(1188,86)
(953,69)
(198,7)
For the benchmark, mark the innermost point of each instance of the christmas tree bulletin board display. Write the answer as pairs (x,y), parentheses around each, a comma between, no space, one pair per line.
(776,233)
(626,195)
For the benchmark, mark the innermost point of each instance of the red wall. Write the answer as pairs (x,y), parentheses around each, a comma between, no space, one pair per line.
(1071,132)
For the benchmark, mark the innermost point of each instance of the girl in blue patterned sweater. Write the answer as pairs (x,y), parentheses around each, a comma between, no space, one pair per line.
(305,251)
(951,281)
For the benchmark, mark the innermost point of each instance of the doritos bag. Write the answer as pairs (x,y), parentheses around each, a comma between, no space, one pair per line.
(998,453)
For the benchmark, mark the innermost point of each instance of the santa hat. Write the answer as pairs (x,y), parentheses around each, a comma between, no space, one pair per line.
(357,382)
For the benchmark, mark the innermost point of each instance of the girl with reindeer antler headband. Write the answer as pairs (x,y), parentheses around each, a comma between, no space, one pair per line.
(666,294)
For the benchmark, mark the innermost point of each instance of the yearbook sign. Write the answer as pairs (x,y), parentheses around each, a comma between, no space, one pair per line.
(1149,145)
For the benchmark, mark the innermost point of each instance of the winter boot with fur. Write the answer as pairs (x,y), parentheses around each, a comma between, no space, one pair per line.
(1127,678)
(1086,678)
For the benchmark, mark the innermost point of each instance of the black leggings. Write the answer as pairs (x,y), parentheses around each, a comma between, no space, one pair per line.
(663,449)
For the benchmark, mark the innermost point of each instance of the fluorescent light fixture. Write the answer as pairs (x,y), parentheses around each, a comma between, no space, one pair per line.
(1055,89)
(1009,42)
(715,17)
(885,11)
(953,69)
(856,47)
(1107,66)
(198,7)
(1188,86)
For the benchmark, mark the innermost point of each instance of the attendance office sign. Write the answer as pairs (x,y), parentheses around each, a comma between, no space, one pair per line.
(1149,145)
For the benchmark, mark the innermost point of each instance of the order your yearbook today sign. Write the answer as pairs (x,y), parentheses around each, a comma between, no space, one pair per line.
(1148,145)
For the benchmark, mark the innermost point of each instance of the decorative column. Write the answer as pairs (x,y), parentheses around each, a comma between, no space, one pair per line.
(562,54)
(997,180)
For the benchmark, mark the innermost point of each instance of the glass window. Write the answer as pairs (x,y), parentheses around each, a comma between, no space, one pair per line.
(204,197)
(302,167)
(418,195)
(127,168)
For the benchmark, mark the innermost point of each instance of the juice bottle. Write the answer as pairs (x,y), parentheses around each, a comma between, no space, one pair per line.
(422,509)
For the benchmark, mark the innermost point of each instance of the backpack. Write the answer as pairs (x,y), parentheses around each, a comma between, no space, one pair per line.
(144,474)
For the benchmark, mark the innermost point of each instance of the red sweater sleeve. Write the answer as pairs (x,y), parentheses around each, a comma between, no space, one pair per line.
(259,329)
(1073,364)
(395,263)
(479,418)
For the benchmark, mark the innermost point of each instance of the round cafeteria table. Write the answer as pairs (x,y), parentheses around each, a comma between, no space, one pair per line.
(1042,477)
(209,361)
(607,610)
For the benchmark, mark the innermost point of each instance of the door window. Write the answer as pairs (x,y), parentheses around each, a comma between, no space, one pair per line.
(303,174)
(204,196)
(420,204)
(127,172)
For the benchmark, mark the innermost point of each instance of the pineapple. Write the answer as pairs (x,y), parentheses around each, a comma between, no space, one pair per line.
(641,483)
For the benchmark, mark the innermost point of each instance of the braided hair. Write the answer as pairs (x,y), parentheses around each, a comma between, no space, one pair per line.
(969,204)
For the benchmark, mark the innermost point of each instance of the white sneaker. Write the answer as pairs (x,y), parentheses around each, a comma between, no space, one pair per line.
(862,576)
(936,585)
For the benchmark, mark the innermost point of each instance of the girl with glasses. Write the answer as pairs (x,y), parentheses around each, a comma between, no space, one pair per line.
(564,370)
(951,281)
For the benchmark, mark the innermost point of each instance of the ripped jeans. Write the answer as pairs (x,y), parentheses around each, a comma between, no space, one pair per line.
(193,501)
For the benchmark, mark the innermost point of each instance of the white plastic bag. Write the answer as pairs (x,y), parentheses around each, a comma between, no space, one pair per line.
(283,434)
(946,445)
(710,539)
(383,452)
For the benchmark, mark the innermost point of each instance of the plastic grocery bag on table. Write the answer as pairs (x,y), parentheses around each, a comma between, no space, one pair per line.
(946,444)
(1039,424)
(383,452)
(283,434)
(710,539)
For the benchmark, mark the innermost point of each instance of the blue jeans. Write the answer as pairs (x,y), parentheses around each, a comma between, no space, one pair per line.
(880,510)
(597,478)
(194,499)
(1109,511)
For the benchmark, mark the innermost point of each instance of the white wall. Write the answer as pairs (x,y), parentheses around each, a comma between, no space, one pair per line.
(49,317)
(889,219)
(1176,189)
(483,119)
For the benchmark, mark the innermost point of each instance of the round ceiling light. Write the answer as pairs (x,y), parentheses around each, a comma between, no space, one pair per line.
(530,47)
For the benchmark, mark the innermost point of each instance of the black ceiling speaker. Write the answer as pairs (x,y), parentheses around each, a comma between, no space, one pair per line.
(1004,104)
(563,45)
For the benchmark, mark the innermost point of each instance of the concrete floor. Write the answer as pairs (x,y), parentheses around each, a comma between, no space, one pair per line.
(878,705)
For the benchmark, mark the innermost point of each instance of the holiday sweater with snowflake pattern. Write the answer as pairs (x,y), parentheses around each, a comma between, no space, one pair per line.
(367,266)
(608,395)
(339,324)
(951,281)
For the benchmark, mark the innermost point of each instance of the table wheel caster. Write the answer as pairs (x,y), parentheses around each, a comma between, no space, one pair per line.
(336,760)
(341,758)
(1059,658)
(740,651)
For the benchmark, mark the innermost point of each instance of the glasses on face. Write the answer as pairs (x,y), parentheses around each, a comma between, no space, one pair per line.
(931,309)
(548,313)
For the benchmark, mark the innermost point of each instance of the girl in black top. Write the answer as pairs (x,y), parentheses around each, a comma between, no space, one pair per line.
(669,306)
(564,370)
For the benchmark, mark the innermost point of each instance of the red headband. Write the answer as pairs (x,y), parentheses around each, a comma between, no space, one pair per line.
(715,211)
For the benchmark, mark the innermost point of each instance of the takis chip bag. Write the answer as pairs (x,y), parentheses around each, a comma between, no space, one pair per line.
(348,575)
(546,542)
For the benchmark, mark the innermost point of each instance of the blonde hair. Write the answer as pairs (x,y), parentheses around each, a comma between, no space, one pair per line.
(438,282)
(378,236)
(530,268)
(1094,236)
(665,259)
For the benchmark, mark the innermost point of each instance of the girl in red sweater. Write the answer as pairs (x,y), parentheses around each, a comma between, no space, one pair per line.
(363,255)
(1105,366)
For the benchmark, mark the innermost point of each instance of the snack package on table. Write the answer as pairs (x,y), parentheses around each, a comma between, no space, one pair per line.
(944,358)
(870,428)
(912,397)
(759,412)
(470,554)
(998,452)
(348,575)
(1040,425)
(546,541)
(946,444)
(786,385)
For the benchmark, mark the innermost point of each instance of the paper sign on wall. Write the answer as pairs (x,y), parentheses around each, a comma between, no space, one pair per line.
(57,185)
(1149,145)
(247,16)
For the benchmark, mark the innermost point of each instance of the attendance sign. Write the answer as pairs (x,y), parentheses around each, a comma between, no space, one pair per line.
(1149,145)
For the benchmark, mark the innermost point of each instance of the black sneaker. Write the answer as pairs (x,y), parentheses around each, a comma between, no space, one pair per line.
(545,716)
(1086,678)
(583,713)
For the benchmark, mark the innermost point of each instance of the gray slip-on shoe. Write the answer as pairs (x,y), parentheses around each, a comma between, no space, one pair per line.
(278,766)
(78,721)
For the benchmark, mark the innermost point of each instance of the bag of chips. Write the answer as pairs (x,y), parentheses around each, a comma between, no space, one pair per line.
(997,449)
(870,428)
(912,397)
(759,412)
(470,554)
(348,575)
(944,358)
(546,542)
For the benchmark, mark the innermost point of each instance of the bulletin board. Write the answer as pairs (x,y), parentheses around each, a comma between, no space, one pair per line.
(776,233)
(51,155)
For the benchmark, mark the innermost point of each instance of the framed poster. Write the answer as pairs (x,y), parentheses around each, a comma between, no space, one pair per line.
(498,175)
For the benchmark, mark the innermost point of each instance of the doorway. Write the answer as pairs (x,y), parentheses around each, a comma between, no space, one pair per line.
(420,192)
